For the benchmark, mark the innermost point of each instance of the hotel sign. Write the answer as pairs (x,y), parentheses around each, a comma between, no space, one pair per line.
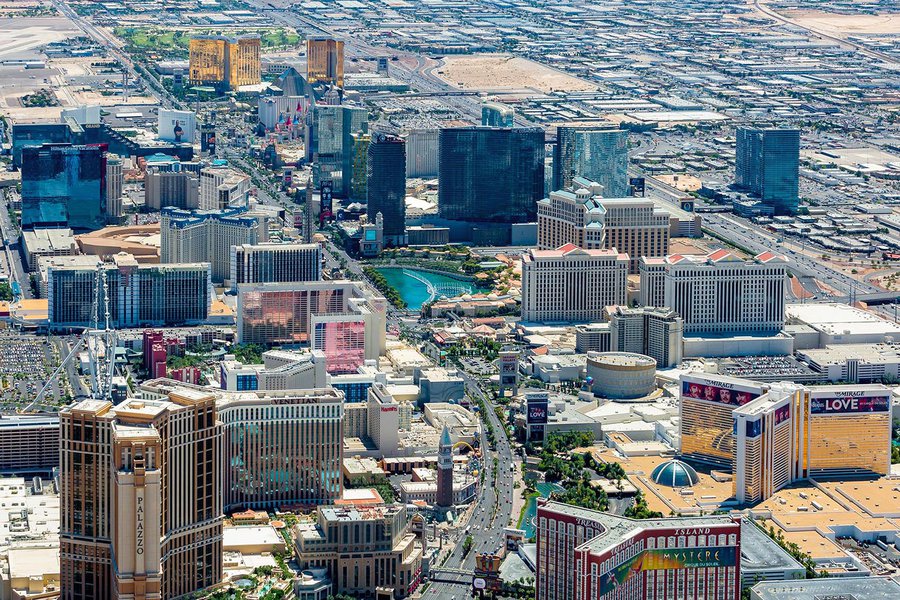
(662,559)
(849,404)
(718,392)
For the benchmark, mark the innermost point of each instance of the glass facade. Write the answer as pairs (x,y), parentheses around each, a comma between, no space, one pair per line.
(223,62)
(490,174)
(768,165)
(600,155)
(344,345)
(333,143)
(357,391)
(285,450)
(386,183)
(157,295)
(707,423)
(64,186)
(283,316)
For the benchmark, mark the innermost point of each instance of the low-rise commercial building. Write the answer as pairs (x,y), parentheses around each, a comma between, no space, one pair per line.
(280,370)
(29,538)
(465,487)
(363,548)
(621,375)
(855,363)
(37,243)
(870,588)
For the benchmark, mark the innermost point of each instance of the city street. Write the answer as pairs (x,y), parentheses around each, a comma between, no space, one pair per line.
(492,511)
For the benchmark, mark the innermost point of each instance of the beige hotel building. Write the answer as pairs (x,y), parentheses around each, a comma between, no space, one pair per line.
(140,498)
(570,284)
(580,216)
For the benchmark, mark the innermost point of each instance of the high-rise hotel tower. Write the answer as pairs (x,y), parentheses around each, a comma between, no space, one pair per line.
(140,498)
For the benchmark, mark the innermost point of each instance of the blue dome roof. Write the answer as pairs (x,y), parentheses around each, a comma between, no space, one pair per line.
(675,473)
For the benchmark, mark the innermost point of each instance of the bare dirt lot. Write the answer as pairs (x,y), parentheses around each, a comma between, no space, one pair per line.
(504,72)
(844,25)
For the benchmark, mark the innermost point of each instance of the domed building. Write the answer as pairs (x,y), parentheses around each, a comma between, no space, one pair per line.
(676,474)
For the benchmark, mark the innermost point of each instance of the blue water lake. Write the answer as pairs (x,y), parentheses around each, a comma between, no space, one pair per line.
(416,293)
(544,489)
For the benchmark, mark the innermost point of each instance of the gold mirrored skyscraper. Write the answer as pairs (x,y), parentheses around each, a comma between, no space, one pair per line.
(224,62)
(325,61)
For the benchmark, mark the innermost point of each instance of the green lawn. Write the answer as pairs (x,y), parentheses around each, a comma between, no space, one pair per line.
(174,42)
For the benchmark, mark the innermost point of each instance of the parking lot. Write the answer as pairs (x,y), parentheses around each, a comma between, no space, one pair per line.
(26,362)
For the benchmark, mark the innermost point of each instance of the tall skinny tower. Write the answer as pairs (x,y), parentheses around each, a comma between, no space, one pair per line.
(445,471)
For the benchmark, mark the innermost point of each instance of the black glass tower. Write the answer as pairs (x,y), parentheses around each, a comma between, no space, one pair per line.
(490,174)
(386,184)
(64,185)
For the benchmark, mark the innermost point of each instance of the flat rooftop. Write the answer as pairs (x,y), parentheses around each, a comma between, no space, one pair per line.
(843,588)
(760,553)
(838,319)
(48,240)
(867,353)
(240,537)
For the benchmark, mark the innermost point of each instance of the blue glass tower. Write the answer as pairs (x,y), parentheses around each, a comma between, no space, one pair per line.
(64,186)
(767,164)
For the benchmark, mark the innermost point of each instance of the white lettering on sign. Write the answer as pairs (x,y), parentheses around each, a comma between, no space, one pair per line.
(694,531)
(840,404)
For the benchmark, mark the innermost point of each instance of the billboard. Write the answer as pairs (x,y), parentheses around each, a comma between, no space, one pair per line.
(638,185)
(658,559)
(537,410)
(720,392)
(509,368)
(848,403)
(326,195)
(208,139)
(782,414)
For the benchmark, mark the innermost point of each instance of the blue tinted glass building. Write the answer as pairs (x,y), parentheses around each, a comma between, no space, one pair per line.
(64,185)
(599,155)
(767,164)
(490,174)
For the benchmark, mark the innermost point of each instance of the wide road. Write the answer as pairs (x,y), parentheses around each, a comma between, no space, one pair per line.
(492,511)
(891,61)
(114,49)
